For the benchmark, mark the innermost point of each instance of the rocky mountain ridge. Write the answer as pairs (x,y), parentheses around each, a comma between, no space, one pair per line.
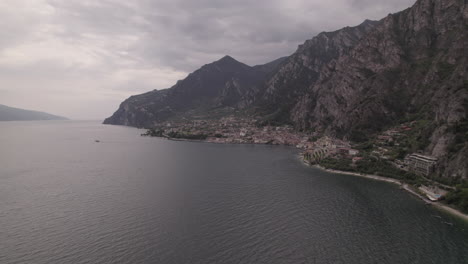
(351,84)
(412,65)
(218,86)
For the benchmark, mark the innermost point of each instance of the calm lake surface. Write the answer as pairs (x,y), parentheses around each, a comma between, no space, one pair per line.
(65,198)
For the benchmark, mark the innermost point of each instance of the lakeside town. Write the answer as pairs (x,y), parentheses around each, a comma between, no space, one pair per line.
(384,153)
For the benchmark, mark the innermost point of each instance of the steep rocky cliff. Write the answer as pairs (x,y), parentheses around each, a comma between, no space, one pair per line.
(409,60)
(411,66)
(351,84)
(276,97)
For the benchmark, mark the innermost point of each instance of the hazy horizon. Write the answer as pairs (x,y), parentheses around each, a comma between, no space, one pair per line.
(81,59)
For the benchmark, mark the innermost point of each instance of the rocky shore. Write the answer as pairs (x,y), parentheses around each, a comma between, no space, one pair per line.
(406,187)
(402,185)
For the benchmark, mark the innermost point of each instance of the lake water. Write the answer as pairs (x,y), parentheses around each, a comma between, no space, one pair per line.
(65,198)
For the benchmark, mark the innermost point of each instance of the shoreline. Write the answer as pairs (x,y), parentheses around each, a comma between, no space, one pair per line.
(438,205)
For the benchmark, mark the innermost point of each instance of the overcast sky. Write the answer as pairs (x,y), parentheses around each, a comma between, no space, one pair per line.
(81,58)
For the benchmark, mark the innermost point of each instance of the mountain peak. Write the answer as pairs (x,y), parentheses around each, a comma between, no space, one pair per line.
(229,63)
(228,59)
(369,22)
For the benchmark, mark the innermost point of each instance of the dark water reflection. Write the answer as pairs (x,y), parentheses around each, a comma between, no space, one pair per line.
(65,198)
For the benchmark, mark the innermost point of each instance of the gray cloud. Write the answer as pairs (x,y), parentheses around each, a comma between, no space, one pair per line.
(81,58)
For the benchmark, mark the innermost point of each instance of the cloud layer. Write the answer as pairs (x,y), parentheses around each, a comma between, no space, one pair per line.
(81,58)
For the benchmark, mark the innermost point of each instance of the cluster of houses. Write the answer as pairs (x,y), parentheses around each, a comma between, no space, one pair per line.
(329,147)
(238,130)
(391,136)
(417,163)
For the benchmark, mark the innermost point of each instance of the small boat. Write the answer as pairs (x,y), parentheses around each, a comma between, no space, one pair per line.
(448,223)
(97,141)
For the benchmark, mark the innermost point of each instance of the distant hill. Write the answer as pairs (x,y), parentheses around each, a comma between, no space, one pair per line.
(15,114)
(213,90)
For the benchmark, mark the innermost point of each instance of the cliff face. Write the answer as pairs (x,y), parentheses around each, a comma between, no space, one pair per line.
(409,60)
(410,66)
(276,97)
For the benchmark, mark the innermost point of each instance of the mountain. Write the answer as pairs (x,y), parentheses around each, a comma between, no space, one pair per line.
(410,62)
(218,87)
(302,69)
(410,67)
(15,114)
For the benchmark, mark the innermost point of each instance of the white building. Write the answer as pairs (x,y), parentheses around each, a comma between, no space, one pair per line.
(420,164)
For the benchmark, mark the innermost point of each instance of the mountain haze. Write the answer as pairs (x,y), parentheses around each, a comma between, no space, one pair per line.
(16,114)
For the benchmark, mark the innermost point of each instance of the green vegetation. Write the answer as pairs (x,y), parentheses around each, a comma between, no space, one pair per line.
(423,113)
(414,136)
(160,133)
(397,153)
(460,130)
(398,99)
(278,117)
(418,138)
(366,146)
(187,136)
(375,167)
(459,197)
(337,164)
(154,133)
(450,181)
(358,135)
(313,138)
(386,169)
(423,65)
(445,70)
